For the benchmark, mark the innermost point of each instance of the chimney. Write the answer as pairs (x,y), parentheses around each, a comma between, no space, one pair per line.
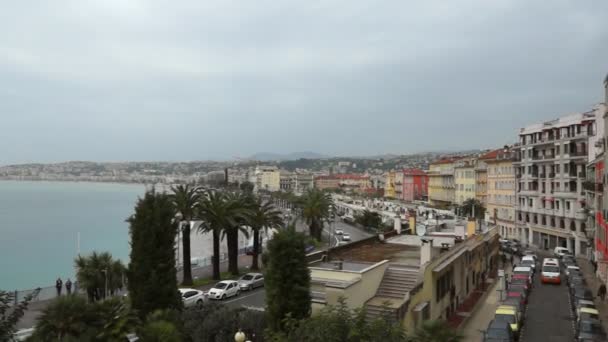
(426,251)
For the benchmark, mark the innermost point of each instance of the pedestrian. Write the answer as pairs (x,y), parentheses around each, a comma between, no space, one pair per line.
(594,264)
(68,286)
(504,259)
(58,286)
(601,292)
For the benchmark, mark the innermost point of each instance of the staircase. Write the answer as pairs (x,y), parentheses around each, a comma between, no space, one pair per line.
(397,282)
(390,298)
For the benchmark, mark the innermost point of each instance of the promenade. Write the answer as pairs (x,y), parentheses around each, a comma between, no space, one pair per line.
(36,307)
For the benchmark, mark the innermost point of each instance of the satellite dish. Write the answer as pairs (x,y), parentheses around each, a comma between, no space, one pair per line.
(420,229)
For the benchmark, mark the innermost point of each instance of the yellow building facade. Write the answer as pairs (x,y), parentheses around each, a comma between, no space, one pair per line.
(501,193)
(464,180)
(441,183)
(389,185)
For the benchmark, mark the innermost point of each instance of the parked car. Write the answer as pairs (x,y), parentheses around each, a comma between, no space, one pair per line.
(576,280)
(524,270)
(520,318)
(224,289)
(573,269)
(498,331)
(561,251)
(580,293)
(515,303)
(345,237)
(518,293)
(584,304)
(590,330)
(528,261)
(568,258)
(521,277)
(250,281)
(339,231)
(587,314)
(510,317)
(531,253)
(520,284)
(192,297)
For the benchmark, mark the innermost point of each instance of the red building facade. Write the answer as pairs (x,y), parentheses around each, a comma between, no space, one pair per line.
(415,185)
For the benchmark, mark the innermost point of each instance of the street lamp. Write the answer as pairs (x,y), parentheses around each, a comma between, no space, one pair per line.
(239,336)
(178,217)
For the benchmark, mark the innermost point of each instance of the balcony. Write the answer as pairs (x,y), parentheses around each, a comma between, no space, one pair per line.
(543,175)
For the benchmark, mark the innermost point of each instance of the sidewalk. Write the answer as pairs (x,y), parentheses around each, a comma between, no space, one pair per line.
(484,312)
(594,283)
(35,308)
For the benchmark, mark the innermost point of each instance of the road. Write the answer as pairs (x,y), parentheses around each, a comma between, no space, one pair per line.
(257,298)
(548,316)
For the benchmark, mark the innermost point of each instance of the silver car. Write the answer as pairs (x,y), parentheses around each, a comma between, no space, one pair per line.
(192,297)
(250,281)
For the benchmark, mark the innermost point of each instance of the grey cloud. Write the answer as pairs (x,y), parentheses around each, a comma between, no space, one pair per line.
(141,80)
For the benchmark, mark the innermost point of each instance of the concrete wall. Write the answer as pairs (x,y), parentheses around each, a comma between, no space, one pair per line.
(415,240)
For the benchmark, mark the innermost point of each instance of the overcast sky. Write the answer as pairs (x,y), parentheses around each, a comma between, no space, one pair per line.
(114,80)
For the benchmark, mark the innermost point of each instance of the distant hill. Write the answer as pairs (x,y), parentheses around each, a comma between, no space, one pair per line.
(265,156)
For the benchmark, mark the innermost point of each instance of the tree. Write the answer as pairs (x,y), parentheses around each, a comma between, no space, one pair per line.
(287,279)
(161,326)
(231,232)
(316,209)
(185,199)
(472,207)
(215,322)
(246,186)
(67,318)
(71,318)
(369,219)
(436,331)
(217,213)
(96,271)
(264,216)
(11,314)
(152,275)
(340,324)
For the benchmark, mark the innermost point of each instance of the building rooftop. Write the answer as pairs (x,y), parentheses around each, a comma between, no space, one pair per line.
(376,251)
(414,172)
(346,265)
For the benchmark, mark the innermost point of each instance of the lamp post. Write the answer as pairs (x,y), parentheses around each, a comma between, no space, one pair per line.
(240,336)
(178,218)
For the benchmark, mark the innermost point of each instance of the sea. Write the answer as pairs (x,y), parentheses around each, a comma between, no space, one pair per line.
(43,226)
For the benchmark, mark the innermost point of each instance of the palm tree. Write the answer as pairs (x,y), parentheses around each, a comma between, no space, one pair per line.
(316,208)
(436,331)
(98,271)
(185,199)
(217,213)
(66,318)
(231,232)
(472,208)
(264,216)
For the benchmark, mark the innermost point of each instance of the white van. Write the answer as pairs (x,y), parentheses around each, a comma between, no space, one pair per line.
(550,273)
(524,270)
(561,251)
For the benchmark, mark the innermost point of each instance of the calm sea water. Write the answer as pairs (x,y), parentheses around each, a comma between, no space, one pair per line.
(40,221)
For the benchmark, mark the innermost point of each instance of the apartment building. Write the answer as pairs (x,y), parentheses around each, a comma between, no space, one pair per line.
(267,178)
(442,190)
(481,181)
(415,185)
(389,185)
(347,182)
(501,198)
(464,179)
(296,182)
(550,173)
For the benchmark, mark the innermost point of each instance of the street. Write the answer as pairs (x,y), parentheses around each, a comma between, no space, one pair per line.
(548,316)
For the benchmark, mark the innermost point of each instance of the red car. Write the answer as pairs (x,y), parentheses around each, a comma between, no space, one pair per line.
(519,285)
(523,277)
(519,295)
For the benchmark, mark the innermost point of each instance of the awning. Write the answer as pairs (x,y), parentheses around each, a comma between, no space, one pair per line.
(420,306)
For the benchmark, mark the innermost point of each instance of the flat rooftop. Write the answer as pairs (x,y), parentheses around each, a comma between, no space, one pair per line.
(346,265)
(376,251)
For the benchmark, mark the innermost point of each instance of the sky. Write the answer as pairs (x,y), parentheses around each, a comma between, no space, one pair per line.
(115,80)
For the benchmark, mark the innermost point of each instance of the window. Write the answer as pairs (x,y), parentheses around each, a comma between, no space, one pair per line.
(557,205)
(568,205)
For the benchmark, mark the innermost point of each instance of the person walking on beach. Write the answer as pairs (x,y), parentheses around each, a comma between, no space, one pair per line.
(68,286)
(58,286)
(601,292)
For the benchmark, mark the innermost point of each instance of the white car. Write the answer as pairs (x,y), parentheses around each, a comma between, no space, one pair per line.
(250,281)
(224,289)
(561,251)
(192,297)
(528,261)
(339,231)
(570,268)
(345,237)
